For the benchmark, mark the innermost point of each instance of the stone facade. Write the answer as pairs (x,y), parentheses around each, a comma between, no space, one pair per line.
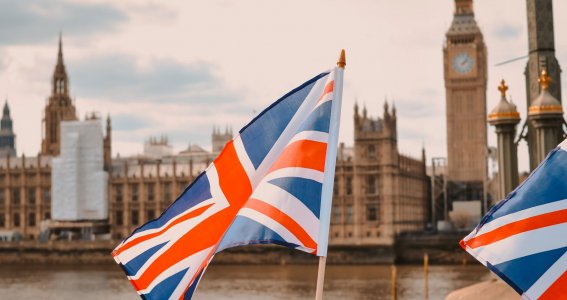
(141,188)
(465,69)
(25,194)
(379,193)
(25,182)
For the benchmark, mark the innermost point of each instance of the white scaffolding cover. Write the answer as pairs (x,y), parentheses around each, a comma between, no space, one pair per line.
(78,182)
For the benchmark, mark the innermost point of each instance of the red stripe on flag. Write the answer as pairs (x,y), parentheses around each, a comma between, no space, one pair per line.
(138,240)
(237,189)
(328,89)
(557,290)
(302,154)
(285,220)
(506,231)
(233,179)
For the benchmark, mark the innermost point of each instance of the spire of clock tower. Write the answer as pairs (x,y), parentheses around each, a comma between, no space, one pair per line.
(463,19)
(464,7)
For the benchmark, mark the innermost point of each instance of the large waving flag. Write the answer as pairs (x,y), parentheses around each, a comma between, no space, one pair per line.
(265,187)
(523,239)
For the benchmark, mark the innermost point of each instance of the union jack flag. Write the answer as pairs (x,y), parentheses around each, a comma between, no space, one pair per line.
(523,239)
(265,187)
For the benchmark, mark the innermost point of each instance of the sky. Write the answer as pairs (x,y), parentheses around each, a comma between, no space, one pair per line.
(178,68)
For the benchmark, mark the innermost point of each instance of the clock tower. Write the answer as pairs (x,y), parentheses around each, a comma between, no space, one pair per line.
(465,69)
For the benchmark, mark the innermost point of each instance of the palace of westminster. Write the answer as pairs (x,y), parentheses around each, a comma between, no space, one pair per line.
(378,193)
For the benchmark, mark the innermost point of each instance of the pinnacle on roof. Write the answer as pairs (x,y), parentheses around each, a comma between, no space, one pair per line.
(6,111)
(504,110)
(60,63)
(545,103)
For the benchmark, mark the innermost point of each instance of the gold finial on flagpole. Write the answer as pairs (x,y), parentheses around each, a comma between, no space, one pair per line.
(342,60)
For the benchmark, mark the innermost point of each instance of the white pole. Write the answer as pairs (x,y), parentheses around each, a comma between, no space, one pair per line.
(329,176)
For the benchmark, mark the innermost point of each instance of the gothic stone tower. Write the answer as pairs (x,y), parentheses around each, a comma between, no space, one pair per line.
(59,108)
(541,57)
(465,71)
(220,139)
(376,168)
(7,136)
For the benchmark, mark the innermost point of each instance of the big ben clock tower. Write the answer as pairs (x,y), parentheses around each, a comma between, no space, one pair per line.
(465,71)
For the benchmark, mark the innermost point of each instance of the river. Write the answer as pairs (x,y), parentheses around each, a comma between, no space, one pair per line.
(237,282)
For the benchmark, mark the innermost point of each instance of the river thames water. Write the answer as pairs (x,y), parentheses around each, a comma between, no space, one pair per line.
(237,282)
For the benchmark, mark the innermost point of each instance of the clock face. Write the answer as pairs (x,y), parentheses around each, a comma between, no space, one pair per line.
(463,63)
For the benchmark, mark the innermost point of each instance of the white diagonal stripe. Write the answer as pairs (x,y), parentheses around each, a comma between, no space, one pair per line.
(548,278)
(270,223)
(193,260)
(245,160)
(290,205)
(175,232)
(523,244)
(520,215)
(292,127)
(311,135)
(295,172)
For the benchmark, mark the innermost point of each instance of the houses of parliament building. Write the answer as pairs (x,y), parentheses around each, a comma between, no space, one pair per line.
(379,193)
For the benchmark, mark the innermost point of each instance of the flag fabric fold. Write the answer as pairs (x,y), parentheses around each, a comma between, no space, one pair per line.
(523,239)
(265,187)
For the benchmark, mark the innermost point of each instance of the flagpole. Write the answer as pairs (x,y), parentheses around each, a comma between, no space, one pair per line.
(329,177)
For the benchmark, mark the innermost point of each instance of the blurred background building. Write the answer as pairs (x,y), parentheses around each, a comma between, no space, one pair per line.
(73,189)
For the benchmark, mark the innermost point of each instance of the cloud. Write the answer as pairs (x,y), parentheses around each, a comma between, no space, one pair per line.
(507,31)
(423,108)
(119,77)
(3,61)
(36,21)
(125,122)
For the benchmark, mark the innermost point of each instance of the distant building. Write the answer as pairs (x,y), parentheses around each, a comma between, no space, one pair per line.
(7,136)
(26,182)
(156,148)
(25,194)
(79,181)
(379,193)
(465,69)
(59,107)
(219,138)
(142,187)
(465,74)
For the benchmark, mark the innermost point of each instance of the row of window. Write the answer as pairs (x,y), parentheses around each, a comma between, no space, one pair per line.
(134,217)
(372,212)
(16,197)
(371,185)
(349,234)
(348,186)
(16,221)
(28,177)
(134,190)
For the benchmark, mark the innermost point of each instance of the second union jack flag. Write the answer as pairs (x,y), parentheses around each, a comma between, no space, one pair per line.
(265,187)
(523,239)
